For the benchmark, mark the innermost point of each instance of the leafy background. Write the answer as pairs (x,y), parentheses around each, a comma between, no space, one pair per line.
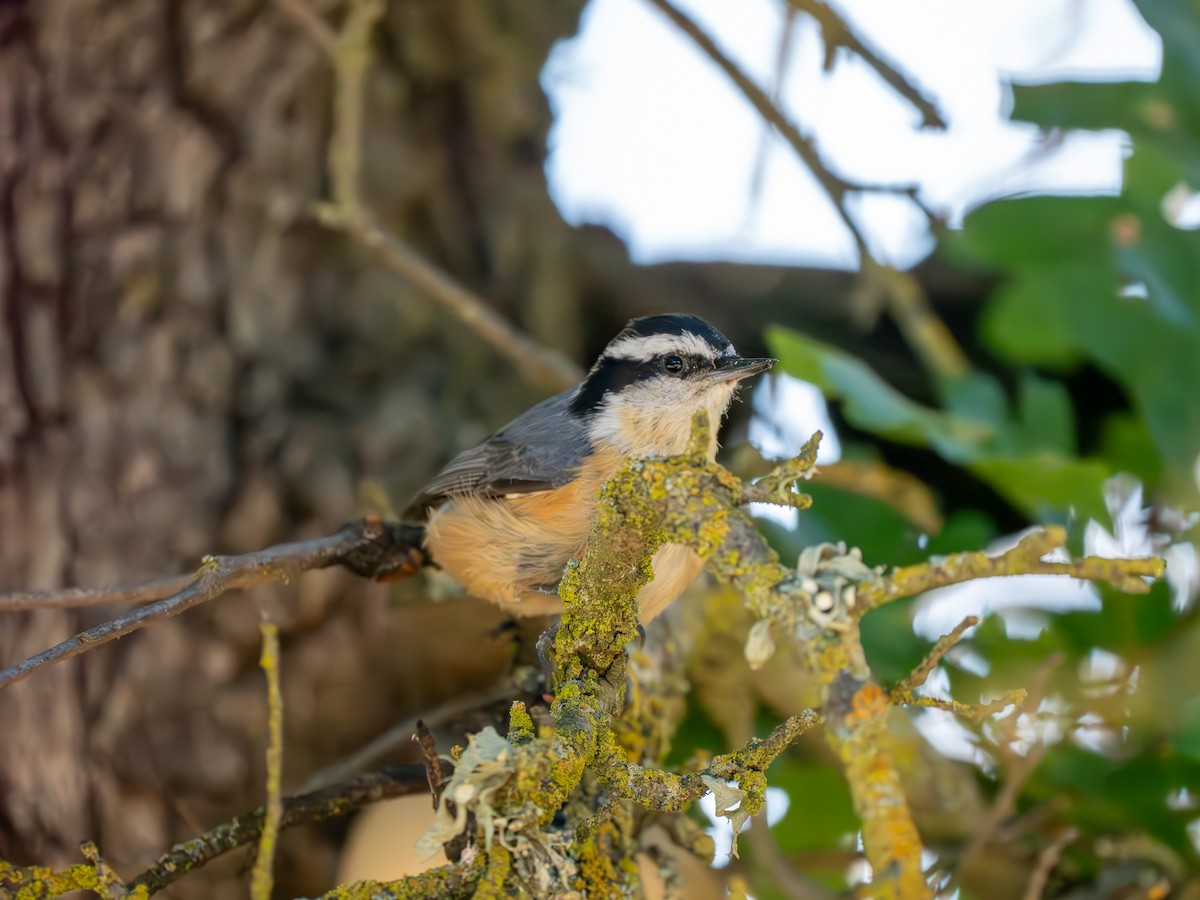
(1086,364)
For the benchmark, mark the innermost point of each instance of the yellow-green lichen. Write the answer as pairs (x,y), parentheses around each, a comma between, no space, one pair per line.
(520,725)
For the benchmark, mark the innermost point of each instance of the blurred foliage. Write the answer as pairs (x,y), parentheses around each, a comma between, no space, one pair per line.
(1086,285)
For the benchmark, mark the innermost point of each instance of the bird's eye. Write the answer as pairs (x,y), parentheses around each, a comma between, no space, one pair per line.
(673,364)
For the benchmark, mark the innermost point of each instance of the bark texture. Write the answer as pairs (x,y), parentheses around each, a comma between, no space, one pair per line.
(190,364)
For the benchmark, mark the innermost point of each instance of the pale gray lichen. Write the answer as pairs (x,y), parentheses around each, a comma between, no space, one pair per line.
(760,646)
(479,773)
(731,803)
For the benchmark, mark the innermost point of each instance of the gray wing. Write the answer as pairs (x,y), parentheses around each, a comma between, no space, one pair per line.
(537,451)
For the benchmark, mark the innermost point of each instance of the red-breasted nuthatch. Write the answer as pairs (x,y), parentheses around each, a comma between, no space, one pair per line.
(505,517)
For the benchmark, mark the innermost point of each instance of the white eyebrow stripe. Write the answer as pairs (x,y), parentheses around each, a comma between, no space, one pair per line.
(648,347)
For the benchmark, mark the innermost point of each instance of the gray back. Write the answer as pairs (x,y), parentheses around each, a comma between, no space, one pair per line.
(538,450)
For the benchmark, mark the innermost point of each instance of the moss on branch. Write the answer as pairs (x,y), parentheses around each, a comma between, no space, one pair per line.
(560,805)
(38,882)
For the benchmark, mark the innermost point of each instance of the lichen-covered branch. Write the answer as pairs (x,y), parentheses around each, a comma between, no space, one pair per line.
(305,809)
(553,807)
(95,875)
(371,548)
(443,883)
(920,674)
(262,879)
(1128,575)
(903,692)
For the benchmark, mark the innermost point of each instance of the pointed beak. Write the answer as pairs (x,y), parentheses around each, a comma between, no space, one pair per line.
(735,368)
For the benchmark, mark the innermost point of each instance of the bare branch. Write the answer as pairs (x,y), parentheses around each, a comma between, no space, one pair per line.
(312,24)
(975,711)
(836,32)
(351,57)
(349,54)
(370,547)
(328,803)
(537,363)
(834,185)
(434,772)
(920,674)
(926,334)
(72,598)
(262,879)
(1047,860)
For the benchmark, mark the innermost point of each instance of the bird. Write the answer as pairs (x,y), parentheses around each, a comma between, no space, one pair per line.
(504,518)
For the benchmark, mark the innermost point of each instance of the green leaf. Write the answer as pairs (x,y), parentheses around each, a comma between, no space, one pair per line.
(1187,739)
(870,403)
(1092,105)
(1046,486)
(1040,230)
(1034,318)
(893,650)
(979,397)
(1126,443)
(820,811)
(1045,416)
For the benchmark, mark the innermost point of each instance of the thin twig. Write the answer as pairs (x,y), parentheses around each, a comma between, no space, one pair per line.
(783,55)
(351,58)
(433,763)
(1047,860)
(262,879)
(536,362)
(312,24)
(317,806)
(403,732)
(776,486)
(1018,769)
(836,32)
(109,884)
(370,547)
(926,334)
(920,674)
(976,712)
(73,598)
(834,185)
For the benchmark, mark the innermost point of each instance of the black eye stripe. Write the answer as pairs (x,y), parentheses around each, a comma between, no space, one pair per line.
(612,374)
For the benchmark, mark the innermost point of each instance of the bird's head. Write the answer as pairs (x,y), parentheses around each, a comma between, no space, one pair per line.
(655,375)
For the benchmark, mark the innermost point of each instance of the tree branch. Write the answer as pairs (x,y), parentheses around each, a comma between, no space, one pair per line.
(508,793)
(328,803)
(349,54)
(537,363)
(920,674)
(836,32)
(262,879)
(72,598)
(371,548)
(312,24)
(1128,575)
(903,693)
(929,337)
